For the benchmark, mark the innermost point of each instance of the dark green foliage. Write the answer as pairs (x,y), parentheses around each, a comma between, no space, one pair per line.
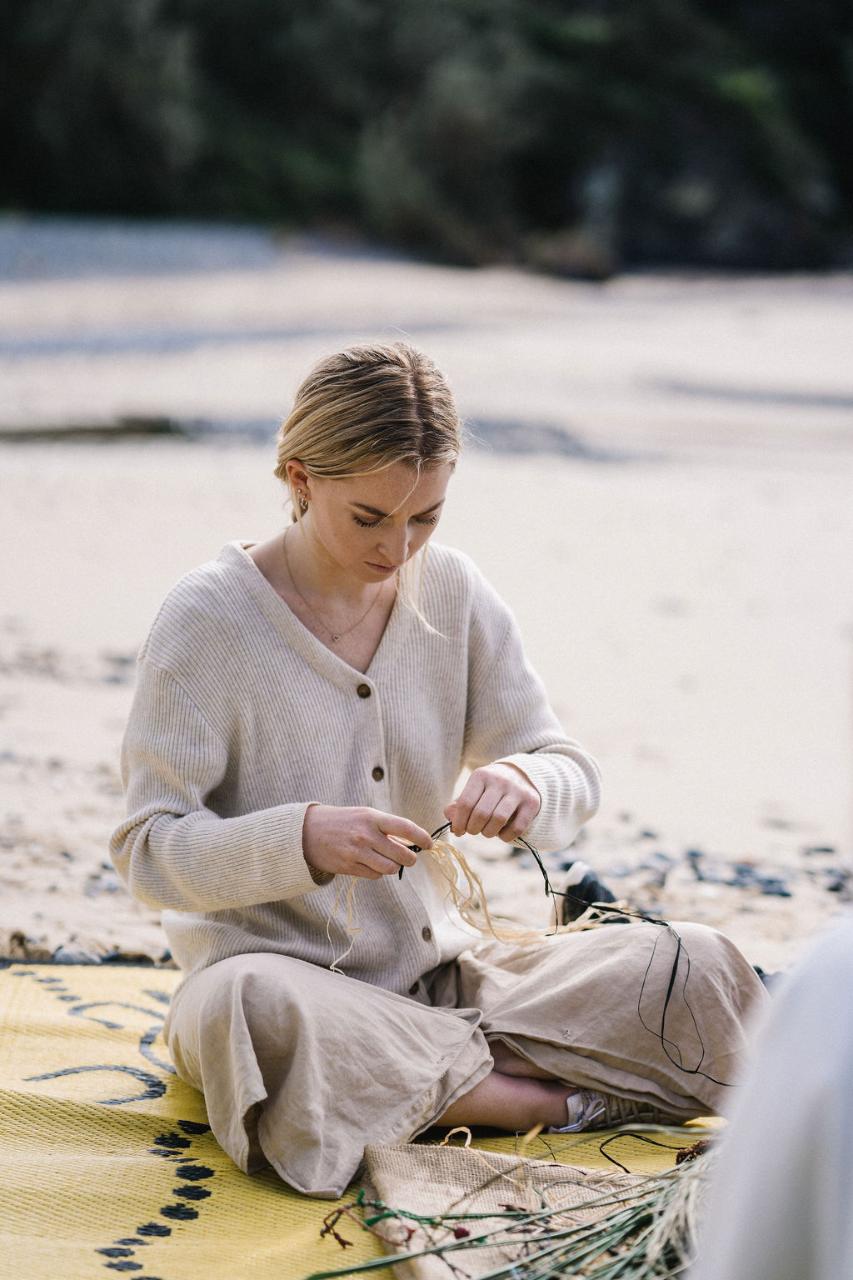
(578,137)
(99,108)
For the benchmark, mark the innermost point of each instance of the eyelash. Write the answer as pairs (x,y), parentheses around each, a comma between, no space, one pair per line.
(371,524)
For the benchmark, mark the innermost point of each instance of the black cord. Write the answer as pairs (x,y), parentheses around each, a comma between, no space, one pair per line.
(638,1137)
(640,917)
(416,848)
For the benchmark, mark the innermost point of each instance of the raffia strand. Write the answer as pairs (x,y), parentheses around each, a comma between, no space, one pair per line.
(465,890)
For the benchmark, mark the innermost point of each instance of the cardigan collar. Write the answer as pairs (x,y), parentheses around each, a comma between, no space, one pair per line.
(236,556)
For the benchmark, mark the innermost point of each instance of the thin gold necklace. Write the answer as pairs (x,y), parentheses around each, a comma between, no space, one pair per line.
(335,635)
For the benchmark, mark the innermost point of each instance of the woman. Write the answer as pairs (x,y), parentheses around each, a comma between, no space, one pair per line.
(304,706)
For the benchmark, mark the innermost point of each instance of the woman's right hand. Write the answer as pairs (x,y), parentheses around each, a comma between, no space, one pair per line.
(358,841)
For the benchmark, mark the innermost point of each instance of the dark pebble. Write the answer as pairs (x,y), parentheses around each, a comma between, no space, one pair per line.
(773,887)
(694,857)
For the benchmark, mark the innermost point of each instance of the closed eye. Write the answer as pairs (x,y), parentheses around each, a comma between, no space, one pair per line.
(371,524)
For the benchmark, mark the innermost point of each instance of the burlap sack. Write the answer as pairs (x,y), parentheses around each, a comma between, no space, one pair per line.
(439,1179)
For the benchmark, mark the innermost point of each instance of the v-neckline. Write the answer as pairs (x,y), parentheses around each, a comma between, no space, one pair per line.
(312,647)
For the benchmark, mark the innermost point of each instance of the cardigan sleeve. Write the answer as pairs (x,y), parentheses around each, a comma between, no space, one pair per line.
(172,850)
(509,718)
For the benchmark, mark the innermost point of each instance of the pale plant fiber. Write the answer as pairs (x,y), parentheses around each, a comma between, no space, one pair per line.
(465,890)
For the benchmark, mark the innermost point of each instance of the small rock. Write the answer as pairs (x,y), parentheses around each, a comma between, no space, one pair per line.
(74,955)
(101,882)
(773,887)
(15,945)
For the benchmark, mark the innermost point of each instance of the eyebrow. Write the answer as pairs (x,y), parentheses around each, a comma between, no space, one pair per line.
(374,511)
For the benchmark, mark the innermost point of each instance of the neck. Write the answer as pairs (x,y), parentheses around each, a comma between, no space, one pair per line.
(318,576)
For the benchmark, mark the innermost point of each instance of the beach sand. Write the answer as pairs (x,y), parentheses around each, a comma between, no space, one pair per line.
(662,492)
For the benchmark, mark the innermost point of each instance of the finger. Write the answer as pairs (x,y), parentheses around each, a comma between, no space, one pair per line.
(503,813)
(519,822)
(364,872)
(483,810)
(401,854)
(408,832)
(511,832)
(377,861)
(463,806)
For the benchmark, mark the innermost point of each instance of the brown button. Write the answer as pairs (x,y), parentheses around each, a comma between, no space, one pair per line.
(363,690)
(426,933)
(378,773)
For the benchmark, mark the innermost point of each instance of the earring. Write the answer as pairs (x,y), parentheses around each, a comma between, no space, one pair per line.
(303,501)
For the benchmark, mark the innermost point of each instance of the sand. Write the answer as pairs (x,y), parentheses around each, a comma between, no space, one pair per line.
(662,493)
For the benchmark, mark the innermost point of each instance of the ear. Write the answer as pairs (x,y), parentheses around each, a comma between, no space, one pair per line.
(296,473)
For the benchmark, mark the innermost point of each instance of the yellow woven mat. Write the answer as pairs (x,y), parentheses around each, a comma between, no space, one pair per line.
(108,1166)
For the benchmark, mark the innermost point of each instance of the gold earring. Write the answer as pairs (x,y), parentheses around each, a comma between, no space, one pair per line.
(303,501)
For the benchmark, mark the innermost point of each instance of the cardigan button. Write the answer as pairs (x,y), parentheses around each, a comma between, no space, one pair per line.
(426,933)
(378,773)
(364,690)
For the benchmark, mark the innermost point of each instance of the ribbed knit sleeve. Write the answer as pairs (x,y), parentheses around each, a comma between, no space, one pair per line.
(509,718)
(172,851)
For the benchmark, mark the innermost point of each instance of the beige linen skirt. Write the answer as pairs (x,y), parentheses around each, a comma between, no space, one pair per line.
(301,1067)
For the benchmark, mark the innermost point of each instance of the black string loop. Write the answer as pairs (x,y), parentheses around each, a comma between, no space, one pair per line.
(669,1047)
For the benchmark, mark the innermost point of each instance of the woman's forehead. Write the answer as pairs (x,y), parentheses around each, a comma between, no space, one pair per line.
(397,486)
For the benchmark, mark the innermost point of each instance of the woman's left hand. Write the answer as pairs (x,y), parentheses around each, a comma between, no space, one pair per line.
(497,800)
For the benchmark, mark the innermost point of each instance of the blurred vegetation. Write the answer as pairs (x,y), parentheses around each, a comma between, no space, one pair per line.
(577,137)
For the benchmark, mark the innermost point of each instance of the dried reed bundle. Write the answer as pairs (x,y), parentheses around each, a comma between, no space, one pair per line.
(646,1232)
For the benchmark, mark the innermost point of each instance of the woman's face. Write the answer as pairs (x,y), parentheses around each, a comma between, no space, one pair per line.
(370,525)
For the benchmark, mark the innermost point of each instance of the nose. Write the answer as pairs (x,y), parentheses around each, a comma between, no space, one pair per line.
(394,547)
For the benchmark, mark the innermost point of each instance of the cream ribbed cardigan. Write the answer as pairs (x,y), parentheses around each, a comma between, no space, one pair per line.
(241,718)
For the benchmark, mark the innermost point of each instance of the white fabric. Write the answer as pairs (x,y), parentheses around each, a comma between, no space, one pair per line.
(781,1206)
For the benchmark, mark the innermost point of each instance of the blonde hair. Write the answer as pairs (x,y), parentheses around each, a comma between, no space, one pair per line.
(365,408)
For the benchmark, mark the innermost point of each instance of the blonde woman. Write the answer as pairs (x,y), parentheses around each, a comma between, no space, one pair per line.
(304,707)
